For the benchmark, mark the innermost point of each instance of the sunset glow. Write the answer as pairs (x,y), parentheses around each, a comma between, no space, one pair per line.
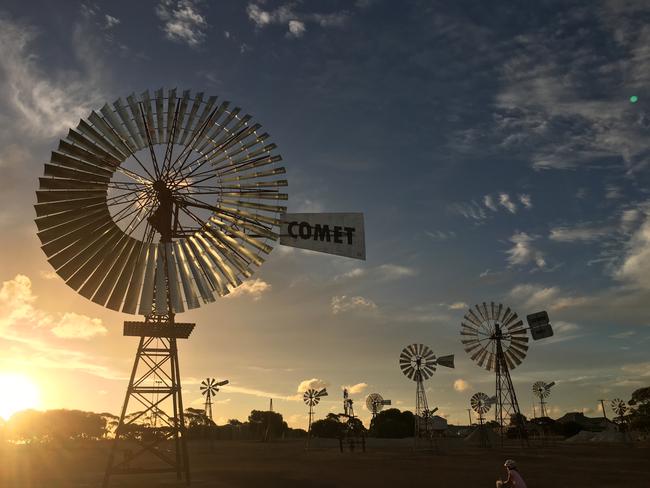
(19,392)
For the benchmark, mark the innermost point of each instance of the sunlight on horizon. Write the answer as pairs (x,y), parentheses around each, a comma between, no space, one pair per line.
(19,392)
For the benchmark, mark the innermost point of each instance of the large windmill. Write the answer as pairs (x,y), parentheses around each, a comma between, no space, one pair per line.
(418,363)
(542,390)
(497,340)
(159,204)
(209,388)
(153,206)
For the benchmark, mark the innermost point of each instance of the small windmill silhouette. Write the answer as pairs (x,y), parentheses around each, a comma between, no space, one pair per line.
(209,388)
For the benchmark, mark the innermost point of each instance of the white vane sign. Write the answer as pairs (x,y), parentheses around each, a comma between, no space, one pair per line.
(332,233)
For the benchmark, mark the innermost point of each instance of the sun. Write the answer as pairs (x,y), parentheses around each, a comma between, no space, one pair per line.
(19,392)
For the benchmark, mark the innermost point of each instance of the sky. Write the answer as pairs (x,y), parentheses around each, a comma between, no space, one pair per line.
(494,151)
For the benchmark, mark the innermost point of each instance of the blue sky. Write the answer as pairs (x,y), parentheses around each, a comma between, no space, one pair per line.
(493,150)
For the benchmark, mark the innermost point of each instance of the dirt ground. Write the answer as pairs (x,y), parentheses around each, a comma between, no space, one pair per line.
(384,464)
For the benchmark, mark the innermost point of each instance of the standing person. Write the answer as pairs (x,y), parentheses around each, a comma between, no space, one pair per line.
(514,479)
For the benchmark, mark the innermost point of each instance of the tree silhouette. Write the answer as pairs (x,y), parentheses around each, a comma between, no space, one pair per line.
(393,424)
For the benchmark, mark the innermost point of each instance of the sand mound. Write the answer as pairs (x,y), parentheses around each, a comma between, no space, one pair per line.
(476,436)
(582,436)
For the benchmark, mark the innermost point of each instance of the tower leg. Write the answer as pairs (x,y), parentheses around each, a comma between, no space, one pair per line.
(507,404)
(421,412)
(148,435)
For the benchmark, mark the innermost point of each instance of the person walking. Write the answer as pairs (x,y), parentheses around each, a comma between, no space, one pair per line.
(514,479)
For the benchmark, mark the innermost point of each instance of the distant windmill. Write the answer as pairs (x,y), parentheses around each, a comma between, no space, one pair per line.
(375,403)
(348,408)
(311,398)
(619,408)
(481,404)
(542,390)
(209,388)
(418,362)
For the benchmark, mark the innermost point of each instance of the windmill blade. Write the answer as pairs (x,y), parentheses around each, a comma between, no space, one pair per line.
(472,317)
(321,393)
(506,315)
(466,330)
(550,385)
(478,353)
(472,346)
(491,363)
(481,359)
(509,361)
(485,312)
(482,318)
(510,320)
(469,317)
(408,371)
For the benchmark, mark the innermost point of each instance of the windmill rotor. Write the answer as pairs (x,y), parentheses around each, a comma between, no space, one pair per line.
(418,362)
(375,403)
(542,389)
(481,403)
(312,397)
(619,407)
(481,327)
(196,173)
(208,387)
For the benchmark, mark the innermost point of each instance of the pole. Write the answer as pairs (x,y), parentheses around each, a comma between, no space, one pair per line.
(602,406)
(469,414)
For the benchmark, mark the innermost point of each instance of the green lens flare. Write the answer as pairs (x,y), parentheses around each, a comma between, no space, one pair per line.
(634,99)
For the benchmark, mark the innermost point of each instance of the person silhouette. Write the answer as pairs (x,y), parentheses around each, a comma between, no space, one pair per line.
(514,479)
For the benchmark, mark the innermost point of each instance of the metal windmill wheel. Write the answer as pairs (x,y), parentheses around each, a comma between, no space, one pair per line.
(375,403)
(484,325)
(312,397)
(209,387)
(619,407)
(196,172)
(481,403)
(417,362)
(541,389)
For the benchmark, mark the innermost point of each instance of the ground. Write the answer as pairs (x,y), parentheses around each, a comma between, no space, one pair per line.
(288,464)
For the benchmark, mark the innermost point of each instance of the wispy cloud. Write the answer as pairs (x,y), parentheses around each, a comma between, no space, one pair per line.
(507,203)
(31,333)
(579,233)
(47,103)
(17,308)
(182,21)
(523,252)
(314,383)
(439,235)
(395,271)
(356,388)
(344,304)
(295,22)
(253,288)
